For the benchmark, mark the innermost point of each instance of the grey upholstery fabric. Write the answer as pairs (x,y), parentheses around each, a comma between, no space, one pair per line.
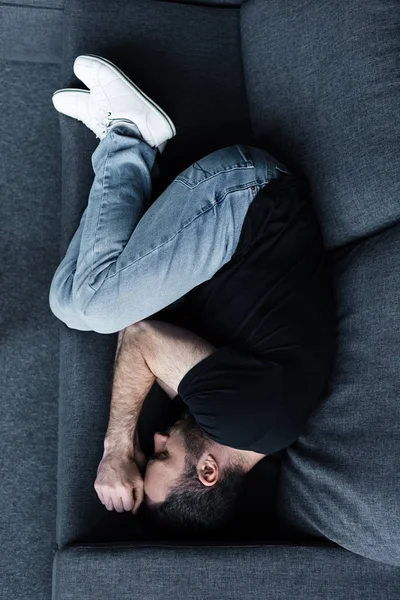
(217,3)
(30,202)
(255,573)
(205,98)
(328,107)
(323,87)
(38,4)
(31,35)
(341,478)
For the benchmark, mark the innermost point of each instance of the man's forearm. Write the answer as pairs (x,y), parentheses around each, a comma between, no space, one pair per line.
(131,384)
(147,351)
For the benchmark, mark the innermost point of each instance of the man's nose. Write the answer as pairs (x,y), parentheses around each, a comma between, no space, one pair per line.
(160,439)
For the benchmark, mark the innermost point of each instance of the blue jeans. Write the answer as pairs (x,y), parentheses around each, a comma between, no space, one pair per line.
(125,263)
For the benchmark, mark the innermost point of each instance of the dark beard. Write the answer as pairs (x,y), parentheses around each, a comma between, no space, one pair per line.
(193,437)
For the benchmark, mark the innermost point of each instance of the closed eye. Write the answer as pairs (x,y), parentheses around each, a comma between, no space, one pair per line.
(160,456)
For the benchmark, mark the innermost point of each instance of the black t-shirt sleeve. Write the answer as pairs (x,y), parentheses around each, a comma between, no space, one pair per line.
(238,400)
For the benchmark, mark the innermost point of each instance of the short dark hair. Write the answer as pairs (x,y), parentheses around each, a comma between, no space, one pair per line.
(191,505)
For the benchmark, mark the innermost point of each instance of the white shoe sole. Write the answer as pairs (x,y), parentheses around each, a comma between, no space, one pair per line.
(148,101)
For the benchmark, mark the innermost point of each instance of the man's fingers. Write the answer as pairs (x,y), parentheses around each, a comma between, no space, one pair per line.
(127,500)
(123,499)
(99,492)
(118,505)
(119,499)
(114,502)
(119,483)
(139,494)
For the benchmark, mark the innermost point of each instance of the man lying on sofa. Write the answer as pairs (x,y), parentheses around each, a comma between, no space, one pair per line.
(233,249)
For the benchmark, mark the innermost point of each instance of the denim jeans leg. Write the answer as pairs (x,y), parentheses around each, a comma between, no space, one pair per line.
(130,266)
(124,214)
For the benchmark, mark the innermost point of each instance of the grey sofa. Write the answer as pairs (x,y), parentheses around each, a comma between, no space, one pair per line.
(316,83)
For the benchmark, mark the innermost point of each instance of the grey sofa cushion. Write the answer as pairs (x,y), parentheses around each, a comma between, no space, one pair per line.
(216,3)
(323,87)
(341,478)
(22,32)
(251,573)
(323,90)
(195,73)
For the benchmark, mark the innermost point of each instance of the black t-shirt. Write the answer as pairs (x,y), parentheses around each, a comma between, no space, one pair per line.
(270,313)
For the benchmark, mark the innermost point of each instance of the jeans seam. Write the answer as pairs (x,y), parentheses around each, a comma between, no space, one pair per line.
(192,187)
(100,212)
(236,188)
(245,158)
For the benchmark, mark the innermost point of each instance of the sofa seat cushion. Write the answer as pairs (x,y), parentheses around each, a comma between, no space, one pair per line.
(177,571)
(341,478)
(323,87)
(186,58)
(216,3)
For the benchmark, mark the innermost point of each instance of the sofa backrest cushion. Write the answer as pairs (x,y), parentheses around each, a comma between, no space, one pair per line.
(341,478)
(323,87)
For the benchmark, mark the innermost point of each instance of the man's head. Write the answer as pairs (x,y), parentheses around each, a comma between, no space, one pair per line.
(192,481)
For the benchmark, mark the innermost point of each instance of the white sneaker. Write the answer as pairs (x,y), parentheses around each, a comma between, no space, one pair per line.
(120,98)
(79,104)
(112,97)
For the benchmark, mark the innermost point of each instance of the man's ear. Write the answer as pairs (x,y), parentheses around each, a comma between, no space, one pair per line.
(208,471)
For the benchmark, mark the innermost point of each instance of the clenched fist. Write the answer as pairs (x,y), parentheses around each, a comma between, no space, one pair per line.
(119,483)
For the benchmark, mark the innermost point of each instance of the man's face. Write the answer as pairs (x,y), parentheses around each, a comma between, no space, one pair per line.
(168,462)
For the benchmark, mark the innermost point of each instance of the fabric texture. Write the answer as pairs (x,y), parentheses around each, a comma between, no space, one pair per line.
(185,571)
(323,88)
(236,399)
(216,3)
(30,191)
(31,34)
(341,479)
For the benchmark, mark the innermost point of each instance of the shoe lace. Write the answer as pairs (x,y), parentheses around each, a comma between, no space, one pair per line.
(101,110)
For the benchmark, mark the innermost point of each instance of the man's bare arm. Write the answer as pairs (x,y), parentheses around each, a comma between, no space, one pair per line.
(131,383)
(170,351)
(147,351)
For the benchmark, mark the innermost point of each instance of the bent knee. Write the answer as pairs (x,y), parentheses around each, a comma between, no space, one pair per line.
(62,306)
(103,313)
